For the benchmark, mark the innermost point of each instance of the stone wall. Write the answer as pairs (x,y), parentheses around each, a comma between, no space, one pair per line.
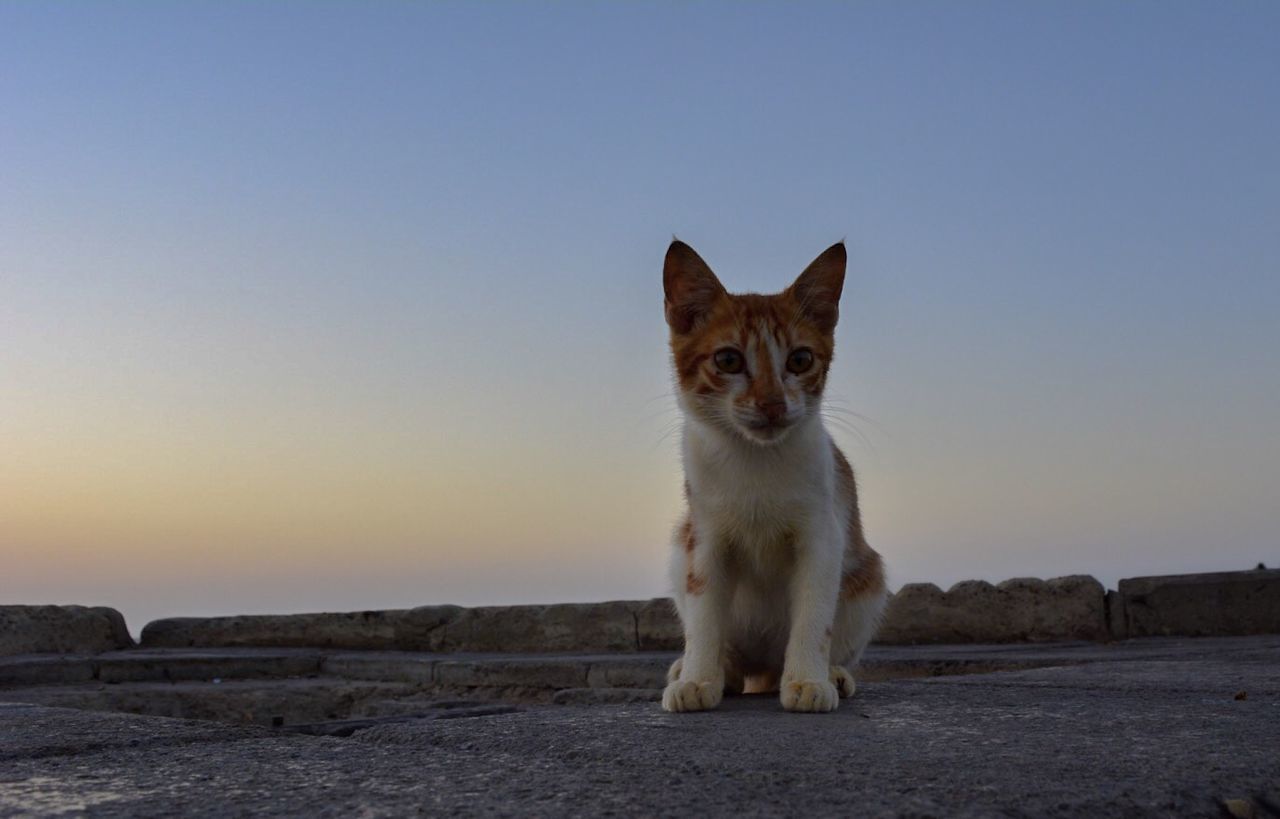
(624,625)
(1196,605)
(61,629)
(357,629)
(1018,610)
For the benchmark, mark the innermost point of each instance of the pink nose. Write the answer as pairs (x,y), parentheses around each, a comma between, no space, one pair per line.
(773,410)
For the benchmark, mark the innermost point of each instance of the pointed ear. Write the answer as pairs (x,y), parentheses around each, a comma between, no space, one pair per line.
(818,289)
(691,288)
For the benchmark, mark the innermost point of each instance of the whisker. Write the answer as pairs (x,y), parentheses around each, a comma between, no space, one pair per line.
(659,397)
(845,410)
(660,412)
(847,426)
(671,430)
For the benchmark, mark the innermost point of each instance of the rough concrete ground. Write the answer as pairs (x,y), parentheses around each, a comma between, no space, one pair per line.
(1149,728)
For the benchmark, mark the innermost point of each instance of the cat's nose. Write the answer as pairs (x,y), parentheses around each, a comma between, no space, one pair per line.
(773,410)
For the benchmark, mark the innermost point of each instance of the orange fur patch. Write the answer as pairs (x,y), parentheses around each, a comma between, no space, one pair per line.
(867,574)
(868,577)
(694,584)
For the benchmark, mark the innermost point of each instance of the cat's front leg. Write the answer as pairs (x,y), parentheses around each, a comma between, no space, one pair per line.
(814,590)
(699,685)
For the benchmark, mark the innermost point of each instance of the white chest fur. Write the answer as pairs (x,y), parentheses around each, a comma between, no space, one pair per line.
(756,499)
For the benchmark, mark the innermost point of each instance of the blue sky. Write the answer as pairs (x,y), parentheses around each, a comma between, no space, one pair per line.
(327,305)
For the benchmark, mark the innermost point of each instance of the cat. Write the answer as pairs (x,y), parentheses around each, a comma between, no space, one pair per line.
(775,585)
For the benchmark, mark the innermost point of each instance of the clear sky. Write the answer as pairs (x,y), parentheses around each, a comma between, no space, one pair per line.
(332,306)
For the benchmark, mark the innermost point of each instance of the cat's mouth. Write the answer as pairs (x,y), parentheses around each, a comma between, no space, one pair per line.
(765,431)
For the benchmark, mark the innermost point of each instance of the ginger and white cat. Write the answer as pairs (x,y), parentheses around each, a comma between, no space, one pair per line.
(775,585)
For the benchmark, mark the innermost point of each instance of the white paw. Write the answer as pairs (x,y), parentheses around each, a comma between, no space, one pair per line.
(843,681)
(818,696)
(673,673)
(692,696)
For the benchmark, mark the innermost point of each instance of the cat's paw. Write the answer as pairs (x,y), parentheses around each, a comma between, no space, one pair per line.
(843,681)
(673,673)
(817,696)
(692,696)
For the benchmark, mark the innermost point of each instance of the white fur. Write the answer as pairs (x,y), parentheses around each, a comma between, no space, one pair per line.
(771,530)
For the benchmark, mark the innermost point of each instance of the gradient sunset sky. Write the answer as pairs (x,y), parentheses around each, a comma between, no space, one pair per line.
(327,306)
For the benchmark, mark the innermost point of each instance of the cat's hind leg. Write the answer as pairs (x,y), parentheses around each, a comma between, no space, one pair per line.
(763,682)
(862,600)
(734,681)
(843,680)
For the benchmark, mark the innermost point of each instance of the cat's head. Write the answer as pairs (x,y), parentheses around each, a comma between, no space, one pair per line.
(752,365)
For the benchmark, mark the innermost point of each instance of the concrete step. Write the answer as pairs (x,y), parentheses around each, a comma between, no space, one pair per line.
(544,671)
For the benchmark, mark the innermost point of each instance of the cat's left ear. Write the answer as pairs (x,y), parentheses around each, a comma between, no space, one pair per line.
(818,289)
(690,288)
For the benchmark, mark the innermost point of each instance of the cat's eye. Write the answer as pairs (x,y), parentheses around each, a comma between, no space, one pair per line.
(729,360)
(800,360)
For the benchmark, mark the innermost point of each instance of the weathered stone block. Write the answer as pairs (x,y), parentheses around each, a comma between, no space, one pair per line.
(658,626)
(629,672)
(44,669)
(423,628)
(408,668)
(974,611)
(357,629)
(1194,605)
(562,627)
(61,629)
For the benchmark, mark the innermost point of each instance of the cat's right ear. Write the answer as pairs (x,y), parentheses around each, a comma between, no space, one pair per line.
(691,288)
